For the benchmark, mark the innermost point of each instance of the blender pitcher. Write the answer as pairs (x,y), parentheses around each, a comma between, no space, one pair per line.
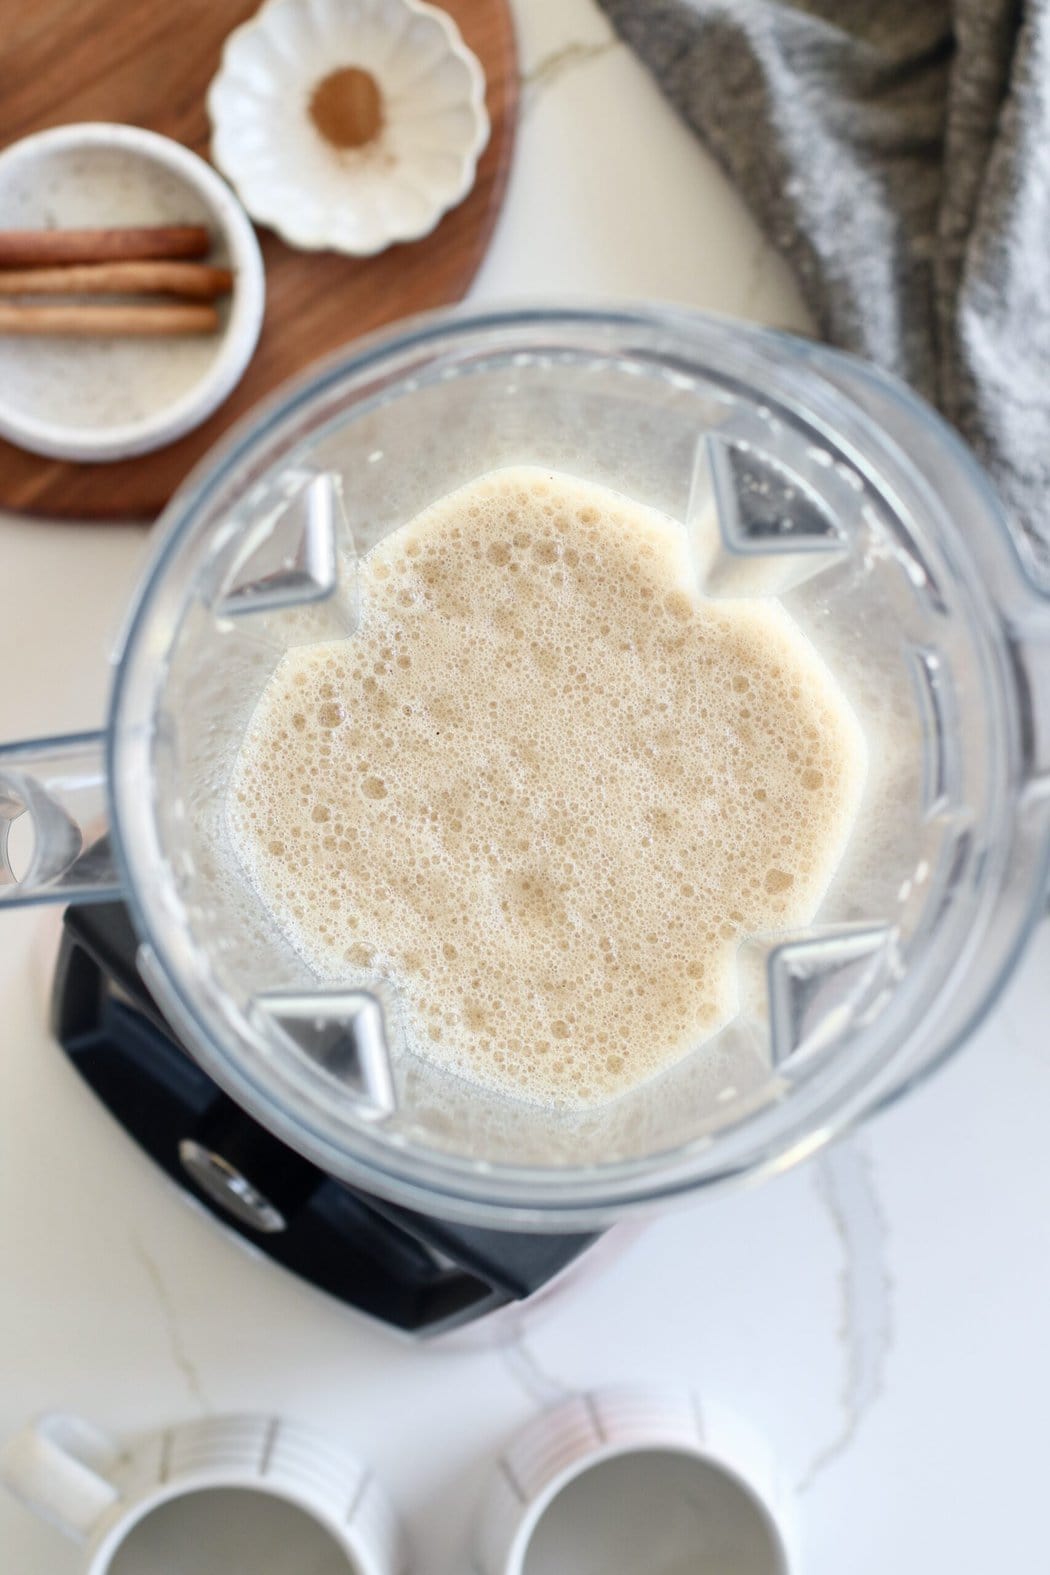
(795,471)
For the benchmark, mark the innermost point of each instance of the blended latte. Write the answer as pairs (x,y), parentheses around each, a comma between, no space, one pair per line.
(546,788)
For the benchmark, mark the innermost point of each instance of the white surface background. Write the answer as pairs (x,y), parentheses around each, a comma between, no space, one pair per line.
(881,1315)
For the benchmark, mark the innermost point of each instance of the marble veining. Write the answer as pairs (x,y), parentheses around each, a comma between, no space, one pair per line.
(180,1356)
(846,1189)
(540,1386)
(558,63)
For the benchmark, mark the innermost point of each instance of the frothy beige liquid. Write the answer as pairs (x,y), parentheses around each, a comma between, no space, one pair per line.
(546,788)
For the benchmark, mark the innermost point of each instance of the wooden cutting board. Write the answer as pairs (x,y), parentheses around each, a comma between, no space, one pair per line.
(149,63)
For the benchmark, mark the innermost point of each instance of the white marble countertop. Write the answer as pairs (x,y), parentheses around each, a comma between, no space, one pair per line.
(879,1314)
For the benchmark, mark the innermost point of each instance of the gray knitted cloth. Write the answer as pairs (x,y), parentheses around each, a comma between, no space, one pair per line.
(898,153)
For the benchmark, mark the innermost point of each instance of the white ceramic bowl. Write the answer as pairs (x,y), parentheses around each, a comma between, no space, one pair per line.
(356,200)
(104,399)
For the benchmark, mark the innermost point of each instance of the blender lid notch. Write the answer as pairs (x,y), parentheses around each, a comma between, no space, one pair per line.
(813,985)
(341,1032)
(289,556)
(754,527)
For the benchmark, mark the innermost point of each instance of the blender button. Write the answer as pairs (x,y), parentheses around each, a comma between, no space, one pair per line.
(225,1185)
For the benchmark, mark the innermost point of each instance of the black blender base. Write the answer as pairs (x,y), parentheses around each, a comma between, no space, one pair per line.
(420,1275)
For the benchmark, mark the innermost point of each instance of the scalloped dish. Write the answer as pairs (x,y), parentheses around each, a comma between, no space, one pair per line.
(348,125)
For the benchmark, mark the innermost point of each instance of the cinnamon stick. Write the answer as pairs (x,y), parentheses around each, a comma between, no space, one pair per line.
(197,280)
(108,321)
(26,248)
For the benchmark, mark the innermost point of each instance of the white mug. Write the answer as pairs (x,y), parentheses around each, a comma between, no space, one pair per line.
(240,1495)
(629,1480)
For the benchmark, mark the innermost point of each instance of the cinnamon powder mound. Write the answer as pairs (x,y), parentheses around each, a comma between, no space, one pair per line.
(347,108)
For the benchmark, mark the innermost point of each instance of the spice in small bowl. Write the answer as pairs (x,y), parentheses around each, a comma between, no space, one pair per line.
(131,291)
(139,260)
(346,106)
(348,124)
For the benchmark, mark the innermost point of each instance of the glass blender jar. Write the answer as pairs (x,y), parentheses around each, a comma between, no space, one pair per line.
(796,472)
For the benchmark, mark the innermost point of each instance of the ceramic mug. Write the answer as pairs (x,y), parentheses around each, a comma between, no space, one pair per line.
(635,1479)
(244,1495)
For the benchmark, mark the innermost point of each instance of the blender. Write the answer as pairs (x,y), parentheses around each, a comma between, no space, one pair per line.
(296,1111)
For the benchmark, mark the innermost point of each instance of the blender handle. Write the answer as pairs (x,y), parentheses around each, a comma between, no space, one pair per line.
(56,787)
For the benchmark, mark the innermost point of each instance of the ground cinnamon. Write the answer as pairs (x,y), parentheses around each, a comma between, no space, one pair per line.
(347,107)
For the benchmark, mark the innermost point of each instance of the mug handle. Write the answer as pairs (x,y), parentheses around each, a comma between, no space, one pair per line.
(59,1468)
(59,785)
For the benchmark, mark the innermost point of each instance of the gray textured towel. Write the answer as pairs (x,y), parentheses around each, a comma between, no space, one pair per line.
(898,153)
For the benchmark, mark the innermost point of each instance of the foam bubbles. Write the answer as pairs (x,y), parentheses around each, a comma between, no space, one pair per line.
(546,788)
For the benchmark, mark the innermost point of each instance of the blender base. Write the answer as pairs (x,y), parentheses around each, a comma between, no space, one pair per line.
(416,1273)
